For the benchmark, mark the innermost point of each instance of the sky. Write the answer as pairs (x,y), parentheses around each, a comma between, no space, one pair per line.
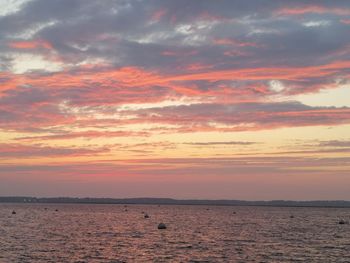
(200,99)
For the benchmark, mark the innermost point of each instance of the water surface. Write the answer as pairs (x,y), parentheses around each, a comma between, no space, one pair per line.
(115,233)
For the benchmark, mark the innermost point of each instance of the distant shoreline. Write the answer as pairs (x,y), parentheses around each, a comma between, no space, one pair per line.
(169,201)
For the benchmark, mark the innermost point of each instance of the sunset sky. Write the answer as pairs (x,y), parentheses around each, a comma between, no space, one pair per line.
(220,99)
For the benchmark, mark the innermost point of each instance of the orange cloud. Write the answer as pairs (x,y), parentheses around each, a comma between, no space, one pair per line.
(198,66)
(30,44)
(134,77)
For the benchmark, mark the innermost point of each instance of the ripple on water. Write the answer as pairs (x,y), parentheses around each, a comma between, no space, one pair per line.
(107,233)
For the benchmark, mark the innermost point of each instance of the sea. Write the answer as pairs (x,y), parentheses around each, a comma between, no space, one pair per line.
(121,233)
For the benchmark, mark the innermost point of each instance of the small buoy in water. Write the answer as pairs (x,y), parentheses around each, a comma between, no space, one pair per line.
(13,212)
(161,226)
(234,212)
(291,216)
(56,210)
(146,216)
(343,222)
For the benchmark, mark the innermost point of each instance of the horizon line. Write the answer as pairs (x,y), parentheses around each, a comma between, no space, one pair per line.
(161,200)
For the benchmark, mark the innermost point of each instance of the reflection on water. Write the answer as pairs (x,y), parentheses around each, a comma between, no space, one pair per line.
(113,233)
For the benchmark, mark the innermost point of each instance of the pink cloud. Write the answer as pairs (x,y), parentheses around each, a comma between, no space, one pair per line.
(234,42)
(345,21)
(317,9)
(135,77)
(159,14)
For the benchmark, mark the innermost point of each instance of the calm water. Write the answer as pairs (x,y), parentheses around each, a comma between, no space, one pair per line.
(108,233)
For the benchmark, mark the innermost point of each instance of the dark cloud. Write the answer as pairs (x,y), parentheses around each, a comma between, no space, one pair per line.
(118,52)
(124,32)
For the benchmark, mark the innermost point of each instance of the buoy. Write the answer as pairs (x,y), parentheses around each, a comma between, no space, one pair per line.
(343,222)
(13,212)
(146,216)
(161,226)
(291,216)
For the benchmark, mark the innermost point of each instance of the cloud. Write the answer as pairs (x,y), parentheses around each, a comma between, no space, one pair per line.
(343,150)
(138,33)
(82,107)
(345,21)
(245,116)
(184,166)
(242,143)
(190,177)
(15,150)
(30,44)
(313,9)
(86,134)
(129,75)
(335,143)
